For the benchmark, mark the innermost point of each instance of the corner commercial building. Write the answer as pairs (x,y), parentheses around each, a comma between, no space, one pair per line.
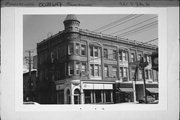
(77,66)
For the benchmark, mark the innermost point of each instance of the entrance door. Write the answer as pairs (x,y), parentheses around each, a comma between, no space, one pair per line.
(76,96)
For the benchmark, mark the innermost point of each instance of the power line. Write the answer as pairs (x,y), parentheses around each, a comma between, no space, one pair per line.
(130,47)
(133,25)
(124,18)
(138,29)
(121,23)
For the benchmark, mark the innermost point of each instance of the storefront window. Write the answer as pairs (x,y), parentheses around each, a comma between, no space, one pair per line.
(108,96)
(87,95)
(98,96)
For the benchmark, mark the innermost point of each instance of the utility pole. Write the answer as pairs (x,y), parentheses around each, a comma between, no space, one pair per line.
(143,65)
(29,64)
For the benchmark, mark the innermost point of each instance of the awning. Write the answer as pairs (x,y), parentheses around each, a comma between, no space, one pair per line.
(126,89)
(152,90)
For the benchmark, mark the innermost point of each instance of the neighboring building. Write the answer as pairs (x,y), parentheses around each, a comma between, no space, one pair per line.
(35,62)
(77,66)
(29,86)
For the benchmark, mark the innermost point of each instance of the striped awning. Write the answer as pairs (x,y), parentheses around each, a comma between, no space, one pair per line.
(152,90)
(126,89)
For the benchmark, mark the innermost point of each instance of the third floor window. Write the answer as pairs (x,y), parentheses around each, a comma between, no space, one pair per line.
(77,48)
(94,51)
(83,49)
(123,55)
(105,53)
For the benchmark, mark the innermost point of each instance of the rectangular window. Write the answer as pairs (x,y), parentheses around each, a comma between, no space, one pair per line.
(92,70)
(95,51)
(91,51)
(83,68)
(96,70)
(105,53)
(71,68)
(120,54)
(83,49)
(77,68)
(125,72)
(121,71)
(106,72)
(132,57)
(114,72)
(114,55)
(77,48)
(139,57)
(126,55)
(70,49)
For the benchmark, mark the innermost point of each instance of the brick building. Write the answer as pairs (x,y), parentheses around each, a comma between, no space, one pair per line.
(77,66)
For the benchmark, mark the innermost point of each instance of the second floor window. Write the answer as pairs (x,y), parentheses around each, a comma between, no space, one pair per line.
(71,68)
(121,71)
(114,72)
(83,68)
(106,72)
(125,72)
(92,70)
(77,68)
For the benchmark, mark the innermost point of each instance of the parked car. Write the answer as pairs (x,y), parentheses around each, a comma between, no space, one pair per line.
(150,99)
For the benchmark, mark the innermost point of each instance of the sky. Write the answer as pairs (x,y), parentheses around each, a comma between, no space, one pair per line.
(39,27)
